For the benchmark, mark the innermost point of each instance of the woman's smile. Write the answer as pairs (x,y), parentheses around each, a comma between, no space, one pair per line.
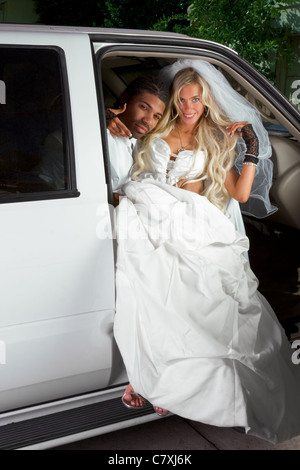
(189,116)
(190,104)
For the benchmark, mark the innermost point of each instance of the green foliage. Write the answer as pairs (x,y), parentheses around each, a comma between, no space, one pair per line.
(247,26)
(134,14)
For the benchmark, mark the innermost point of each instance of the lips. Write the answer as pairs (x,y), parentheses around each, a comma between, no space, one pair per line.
(141,128)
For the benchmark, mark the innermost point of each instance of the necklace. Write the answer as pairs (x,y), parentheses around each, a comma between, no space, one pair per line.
(182,148)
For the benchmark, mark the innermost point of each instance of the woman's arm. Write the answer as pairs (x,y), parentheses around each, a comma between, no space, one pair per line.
(239,186)
(196,186)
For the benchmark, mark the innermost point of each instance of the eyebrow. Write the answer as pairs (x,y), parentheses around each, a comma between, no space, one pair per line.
(148,104)
(196,96)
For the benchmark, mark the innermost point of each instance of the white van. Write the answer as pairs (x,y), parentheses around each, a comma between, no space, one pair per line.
(61,375)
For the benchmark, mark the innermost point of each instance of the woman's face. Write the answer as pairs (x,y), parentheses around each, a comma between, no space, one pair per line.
(190,104)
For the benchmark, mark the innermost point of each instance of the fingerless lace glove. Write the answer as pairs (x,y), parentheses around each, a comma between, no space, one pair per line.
(251,141)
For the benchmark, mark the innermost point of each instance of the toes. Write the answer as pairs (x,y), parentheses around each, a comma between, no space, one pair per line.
(129,389)
(160,411)
(133,399)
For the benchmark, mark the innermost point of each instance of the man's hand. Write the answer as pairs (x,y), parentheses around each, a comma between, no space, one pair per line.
(116,199)
(116,126)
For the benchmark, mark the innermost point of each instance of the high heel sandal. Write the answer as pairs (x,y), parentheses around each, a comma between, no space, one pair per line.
(133,397)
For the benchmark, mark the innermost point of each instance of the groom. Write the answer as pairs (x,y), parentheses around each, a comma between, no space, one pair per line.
(142,105)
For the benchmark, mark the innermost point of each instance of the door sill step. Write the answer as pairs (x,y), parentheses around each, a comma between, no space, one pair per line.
(65,423)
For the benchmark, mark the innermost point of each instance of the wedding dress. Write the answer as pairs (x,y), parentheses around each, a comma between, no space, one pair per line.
(196,336)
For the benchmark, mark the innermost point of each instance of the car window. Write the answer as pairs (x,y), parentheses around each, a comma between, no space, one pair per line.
(33,148)
(119,71)
(267,116)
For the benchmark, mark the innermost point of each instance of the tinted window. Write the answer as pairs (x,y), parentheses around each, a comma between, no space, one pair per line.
(33,150)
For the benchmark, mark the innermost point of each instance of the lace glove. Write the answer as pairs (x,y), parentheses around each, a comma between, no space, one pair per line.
(251,141)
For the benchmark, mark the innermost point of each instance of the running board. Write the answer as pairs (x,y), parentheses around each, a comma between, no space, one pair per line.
(65,423)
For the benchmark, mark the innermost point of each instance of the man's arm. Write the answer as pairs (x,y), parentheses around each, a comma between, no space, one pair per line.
(114,124)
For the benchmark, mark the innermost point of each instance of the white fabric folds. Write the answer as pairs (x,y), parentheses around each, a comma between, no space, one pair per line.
(196,336)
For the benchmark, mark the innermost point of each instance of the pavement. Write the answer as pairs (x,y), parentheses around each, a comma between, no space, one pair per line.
(175,433)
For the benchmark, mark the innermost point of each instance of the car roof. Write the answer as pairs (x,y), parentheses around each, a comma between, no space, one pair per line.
(84,29)
(26,27)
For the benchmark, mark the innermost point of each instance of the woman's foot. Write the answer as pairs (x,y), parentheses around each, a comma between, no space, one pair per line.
(131,399)
(160,411)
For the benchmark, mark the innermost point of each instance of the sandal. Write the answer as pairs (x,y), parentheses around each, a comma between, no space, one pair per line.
(135,398)
(160,411)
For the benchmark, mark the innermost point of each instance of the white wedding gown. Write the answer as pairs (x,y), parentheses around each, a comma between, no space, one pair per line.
(196,336)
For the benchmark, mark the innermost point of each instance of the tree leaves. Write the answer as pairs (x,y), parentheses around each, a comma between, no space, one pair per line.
(247,26)
(251,27)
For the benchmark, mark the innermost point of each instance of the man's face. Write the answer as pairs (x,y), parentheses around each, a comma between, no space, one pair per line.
(142,114)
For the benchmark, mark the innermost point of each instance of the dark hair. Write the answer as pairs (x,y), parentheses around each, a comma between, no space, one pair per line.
(144,85)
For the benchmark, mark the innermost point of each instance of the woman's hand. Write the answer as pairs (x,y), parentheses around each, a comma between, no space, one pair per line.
(116,126)
(239,186)
(236,127)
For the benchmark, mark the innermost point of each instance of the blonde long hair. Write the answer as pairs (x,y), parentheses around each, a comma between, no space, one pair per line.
(210,134)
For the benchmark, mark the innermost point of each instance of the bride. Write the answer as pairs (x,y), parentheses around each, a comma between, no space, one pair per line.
(196,336)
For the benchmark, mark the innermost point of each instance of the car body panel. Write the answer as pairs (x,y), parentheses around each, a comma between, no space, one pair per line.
(57,302)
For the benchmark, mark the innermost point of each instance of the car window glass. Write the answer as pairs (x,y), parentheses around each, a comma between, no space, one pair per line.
(118,72)
(32,138)
(266,114)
